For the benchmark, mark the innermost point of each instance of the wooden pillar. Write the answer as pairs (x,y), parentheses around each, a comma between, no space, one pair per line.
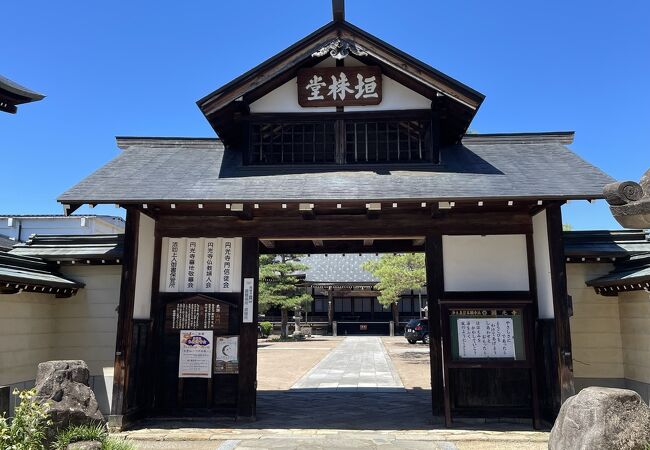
(564,356)
(330,306)
(435,288)
(123,345)
(246,398)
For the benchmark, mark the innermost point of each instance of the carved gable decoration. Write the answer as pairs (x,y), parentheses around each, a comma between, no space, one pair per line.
(198,312)
(339,86)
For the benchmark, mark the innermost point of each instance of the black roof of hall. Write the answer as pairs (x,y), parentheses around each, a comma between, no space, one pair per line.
(530,166)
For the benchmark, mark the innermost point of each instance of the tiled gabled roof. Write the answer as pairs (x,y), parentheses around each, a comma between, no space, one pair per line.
(520,166)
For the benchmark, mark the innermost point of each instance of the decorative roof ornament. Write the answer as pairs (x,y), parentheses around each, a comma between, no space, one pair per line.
(629,202)
(339,49)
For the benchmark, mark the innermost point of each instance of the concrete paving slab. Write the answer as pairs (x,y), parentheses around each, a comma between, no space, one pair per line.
(358,362)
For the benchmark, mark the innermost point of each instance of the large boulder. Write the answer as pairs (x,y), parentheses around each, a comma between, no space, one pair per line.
(600,418)
(64,386)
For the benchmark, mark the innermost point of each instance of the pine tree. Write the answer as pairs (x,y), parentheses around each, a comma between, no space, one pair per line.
(279,285)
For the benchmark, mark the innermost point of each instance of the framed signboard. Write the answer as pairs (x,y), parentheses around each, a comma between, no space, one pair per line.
(197,313)
(339,86)
(487,334)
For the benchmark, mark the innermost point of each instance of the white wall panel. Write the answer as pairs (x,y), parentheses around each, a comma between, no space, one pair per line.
(395,96)
(542,267)
(144,267)
(485,263)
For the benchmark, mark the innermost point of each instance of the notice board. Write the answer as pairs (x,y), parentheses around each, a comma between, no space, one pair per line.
(492,334)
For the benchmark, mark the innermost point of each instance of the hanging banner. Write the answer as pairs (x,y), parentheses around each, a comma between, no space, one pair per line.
(195,358)
(210,277)
(226,279)
(175,265)
(193,264)
(249,292)
(200,265)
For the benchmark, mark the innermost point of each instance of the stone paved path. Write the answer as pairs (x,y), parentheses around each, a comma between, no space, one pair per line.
(364,407)
(357,364)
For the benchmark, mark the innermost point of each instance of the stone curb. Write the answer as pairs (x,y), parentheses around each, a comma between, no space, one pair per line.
(396,435)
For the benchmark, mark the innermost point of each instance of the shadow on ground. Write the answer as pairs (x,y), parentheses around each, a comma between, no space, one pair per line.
(336,410)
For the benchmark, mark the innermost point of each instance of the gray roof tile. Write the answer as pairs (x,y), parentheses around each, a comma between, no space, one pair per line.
(525,166)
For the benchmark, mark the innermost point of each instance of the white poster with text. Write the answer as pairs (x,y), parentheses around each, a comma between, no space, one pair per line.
(195,358)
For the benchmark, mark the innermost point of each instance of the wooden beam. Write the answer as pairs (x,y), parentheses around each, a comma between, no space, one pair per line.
(247,389)
(564,356)
(338,10)
(268,243)
(347,226)
(318,246)
(119,404)
(435,289)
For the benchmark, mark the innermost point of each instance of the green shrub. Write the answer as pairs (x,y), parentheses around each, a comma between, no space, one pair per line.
(27,429)
(267,328)
(117,444)
(78,433)
(96,432)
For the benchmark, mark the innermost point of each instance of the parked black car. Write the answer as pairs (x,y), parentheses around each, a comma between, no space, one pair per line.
(417,330)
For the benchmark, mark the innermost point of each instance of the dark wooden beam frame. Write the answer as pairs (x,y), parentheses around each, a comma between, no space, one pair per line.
(119,406)
(347,226)
(246,398)
(564,356)
(435,289)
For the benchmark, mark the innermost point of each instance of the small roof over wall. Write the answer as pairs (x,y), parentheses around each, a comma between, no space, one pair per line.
(6,244)
(70,249)
(628,250)
(13,94)
(604,245)
(30,274)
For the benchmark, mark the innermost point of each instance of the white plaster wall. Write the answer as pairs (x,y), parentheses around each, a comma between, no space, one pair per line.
(144,267)
(635,333)
(395,96)
(26,334)
(86,324)
(485,263)
(542,267)
(595,325)
(40,327)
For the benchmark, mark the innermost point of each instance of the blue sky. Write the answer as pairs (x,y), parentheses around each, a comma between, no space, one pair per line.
(137,68)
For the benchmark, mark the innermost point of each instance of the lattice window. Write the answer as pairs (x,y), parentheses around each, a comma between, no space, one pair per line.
(388,141)
(342,141)
(293,143)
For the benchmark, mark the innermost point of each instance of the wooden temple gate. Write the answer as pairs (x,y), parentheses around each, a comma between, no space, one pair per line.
(344,137)
(146,381)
